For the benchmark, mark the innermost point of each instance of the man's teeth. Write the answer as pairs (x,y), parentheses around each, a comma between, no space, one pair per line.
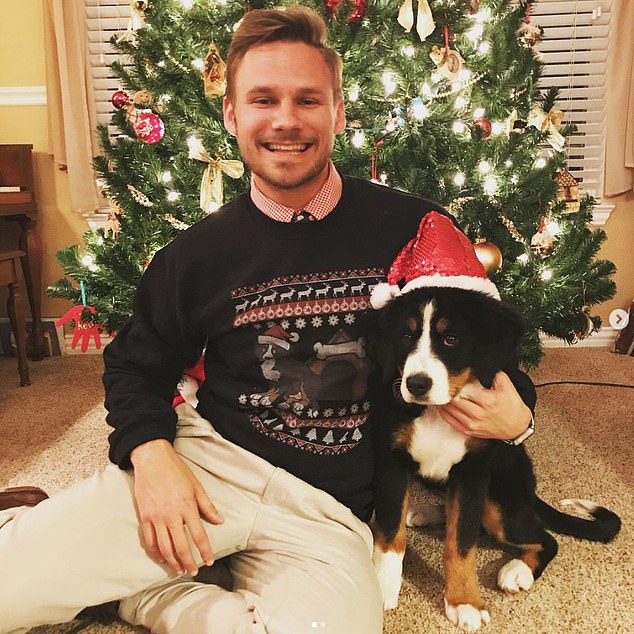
(295,147)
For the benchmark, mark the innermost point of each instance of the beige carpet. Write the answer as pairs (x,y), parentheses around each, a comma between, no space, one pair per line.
(54,432)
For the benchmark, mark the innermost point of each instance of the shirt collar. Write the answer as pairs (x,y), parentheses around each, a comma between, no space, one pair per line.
(322,203)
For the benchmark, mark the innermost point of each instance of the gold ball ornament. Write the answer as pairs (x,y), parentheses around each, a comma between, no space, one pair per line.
(489,255)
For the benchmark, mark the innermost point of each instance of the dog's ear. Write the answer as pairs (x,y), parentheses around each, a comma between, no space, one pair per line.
(498,328)
(381,347)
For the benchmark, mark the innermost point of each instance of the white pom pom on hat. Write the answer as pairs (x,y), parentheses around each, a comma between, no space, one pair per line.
(439,256)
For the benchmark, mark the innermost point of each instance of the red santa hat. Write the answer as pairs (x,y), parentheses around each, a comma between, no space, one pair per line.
(439,256)
(277,336)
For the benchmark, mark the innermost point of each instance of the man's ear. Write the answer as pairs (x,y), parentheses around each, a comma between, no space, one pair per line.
(340,118)
(229,116)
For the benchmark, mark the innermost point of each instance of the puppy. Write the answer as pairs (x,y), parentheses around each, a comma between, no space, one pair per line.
(434,345)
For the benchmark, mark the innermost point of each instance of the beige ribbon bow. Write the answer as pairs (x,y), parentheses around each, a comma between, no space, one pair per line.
(549,123)
(424,19)
(211,196)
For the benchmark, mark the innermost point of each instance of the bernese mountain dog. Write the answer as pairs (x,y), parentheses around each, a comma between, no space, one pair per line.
(433,345)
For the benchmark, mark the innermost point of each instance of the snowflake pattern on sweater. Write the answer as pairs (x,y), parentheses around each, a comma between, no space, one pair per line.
(308,343)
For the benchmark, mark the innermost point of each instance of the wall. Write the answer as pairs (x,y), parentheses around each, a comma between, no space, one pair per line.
(22,63)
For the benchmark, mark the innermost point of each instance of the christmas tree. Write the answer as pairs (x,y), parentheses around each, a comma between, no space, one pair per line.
(442,100)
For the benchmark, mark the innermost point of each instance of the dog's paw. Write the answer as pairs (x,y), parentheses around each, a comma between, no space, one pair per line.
(514,576)
(389,568)
(466,617)
(420,514)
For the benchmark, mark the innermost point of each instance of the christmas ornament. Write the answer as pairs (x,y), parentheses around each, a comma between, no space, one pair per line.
(543,242)
(140,197)
(548,123)
(112,225)
(489,255)
(568,191)
(449,63)
(176,223)
(137,15)
(514,124)
(528,34)
(425,24)
(439,256)
(211,196)
(474,7)
(214,73)
(485,126)
(360,7)
(120,99)
(143,99)
(84,330)
(148,127)
(586,325)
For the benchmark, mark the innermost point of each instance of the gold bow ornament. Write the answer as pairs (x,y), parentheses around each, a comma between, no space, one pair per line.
(211,196)
(425,24)
(549,123)
(214,73)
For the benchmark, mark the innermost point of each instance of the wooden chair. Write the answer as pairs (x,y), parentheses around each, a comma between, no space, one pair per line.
(11,276)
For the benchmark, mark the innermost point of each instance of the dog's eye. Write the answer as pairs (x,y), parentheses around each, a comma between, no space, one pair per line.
(451,341)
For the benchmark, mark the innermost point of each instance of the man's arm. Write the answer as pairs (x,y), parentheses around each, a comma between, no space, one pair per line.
(143,365)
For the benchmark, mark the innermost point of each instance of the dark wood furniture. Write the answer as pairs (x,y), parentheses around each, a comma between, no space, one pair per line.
(11,276)
(16,170)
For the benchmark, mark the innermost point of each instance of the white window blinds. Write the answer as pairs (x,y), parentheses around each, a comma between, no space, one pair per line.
(575,53)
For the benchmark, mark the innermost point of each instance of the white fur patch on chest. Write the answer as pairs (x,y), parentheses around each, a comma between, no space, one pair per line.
(436,445)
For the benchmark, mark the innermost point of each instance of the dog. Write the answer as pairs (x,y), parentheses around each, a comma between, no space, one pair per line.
(433,345)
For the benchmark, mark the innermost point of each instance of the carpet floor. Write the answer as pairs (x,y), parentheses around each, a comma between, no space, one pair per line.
(54,432)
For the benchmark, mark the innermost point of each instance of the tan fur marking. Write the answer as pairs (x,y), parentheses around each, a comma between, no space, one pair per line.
(461,585)
(412,324)
(492,521)
(398,544)
(442,324)
(458,381)
(530,555)
(402,439)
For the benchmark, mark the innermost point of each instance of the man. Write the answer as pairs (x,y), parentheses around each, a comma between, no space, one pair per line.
(272,473)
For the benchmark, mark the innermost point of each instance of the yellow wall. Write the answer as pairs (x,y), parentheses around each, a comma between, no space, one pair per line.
(22,63)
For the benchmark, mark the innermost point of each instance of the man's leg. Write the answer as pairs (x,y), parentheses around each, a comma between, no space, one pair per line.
(81,547)
(305,565)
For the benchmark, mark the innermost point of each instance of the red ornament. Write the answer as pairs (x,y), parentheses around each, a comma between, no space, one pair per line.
(120,99)
(148,127)
(485,126)
(84,330)
(360,7)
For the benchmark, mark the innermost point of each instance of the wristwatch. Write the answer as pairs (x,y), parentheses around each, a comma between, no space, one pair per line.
(524,435)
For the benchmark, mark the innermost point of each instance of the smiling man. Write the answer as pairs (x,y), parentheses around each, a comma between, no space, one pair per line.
(269,478)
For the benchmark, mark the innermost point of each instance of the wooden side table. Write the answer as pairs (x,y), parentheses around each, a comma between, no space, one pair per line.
(16,172)
(11,276)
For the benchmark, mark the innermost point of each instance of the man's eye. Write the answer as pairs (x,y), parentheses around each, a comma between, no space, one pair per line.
(451,341)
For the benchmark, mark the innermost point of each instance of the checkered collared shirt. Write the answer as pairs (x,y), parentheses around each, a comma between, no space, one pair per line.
(324,201)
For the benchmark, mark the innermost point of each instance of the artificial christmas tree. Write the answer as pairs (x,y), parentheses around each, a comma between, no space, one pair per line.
(444,104)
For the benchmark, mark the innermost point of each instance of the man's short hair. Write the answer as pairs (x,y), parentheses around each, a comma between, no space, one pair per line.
(290,24)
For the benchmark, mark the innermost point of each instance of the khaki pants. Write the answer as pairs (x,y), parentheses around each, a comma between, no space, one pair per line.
(299,560)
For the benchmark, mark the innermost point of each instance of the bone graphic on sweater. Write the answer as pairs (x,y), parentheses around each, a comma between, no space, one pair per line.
(325,350)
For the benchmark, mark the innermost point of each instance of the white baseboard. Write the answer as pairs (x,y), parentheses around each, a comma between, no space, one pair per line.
(604,338)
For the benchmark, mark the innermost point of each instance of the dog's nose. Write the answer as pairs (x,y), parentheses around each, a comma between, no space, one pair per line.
(418,385)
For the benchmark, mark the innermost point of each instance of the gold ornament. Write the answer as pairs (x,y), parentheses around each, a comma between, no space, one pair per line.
(568,191)
(143,99)
(448,61)
(586,325)
(140,197)
(528,34)
(489,255)
(211,195)
(549,123)
(176,223)
(214,73)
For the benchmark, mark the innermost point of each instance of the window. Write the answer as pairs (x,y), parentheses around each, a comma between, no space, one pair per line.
(574,51)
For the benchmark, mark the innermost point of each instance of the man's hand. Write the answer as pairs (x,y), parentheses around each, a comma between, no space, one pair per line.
(496,413)
(170,502)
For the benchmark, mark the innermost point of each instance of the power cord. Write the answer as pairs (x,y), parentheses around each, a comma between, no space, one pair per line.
(631,387)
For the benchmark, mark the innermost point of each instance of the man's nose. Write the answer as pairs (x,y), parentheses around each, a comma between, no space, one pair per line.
(286,116)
